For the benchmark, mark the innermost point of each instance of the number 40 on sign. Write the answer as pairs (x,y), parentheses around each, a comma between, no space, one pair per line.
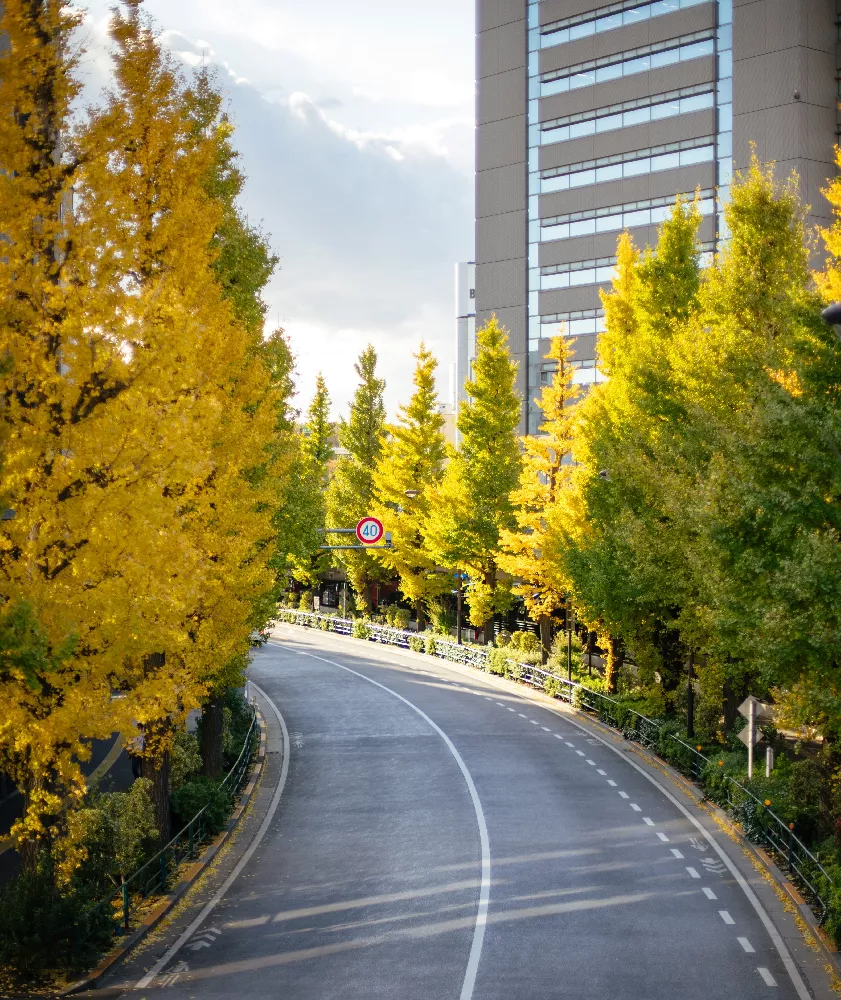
(369,530)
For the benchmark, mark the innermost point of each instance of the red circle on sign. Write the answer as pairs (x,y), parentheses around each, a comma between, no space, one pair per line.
(369,530)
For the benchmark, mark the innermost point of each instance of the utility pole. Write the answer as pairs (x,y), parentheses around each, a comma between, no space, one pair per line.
(690,696)
(458,607)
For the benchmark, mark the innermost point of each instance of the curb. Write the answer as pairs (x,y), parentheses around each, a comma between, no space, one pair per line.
(802,909)
(114,958)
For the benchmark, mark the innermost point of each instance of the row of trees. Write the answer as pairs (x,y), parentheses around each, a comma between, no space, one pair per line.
(149,457)
(686,509)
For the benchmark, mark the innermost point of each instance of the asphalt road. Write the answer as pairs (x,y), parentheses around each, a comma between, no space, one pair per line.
(369,881)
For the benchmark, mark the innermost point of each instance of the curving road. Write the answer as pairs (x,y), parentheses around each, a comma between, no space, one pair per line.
(439,836)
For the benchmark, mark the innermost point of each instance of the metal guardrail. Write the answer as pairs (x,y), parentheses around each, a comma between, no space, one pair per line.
(762,825)
(156,873)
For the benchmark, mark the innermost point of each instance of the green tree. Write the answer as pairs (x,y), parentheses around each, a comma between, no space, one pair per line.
(408,471)
(473,505)
(350,494)
(543,479)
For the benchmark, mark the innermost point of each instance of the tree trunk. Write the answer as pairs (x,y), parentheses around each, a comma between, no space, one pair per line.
(690,695)
(615,659)
(212,718)
(590,649)
(366,596)
(544,623)
(731,709)
(420,614)
(159,774)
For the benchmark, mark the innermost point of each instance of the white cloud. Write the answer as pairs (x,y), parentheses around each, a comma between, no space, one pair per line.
(356,132)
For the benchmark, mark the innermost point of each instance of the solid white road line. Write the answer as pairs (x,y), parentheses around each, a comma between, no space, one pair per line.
(725,916)
(709,893)
(766,975)
(767,923)
(749,948)
(243,861)
(485,885)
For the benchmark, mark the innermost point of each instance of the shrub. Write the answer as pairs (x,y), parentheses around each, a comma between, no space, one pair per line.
(390,612)
(552,687)
(402,617)
(503,639)
(194,796)
(43,929)
(429,645)
(497,661)
(359,630)
(416,643)
(184,758)
(305,602)
(525,642)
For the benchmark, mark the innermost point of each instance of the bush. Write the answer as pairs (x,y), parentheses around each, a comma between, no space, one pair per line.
(237,716)
(194,796)
(184,758)
(416,643)
(503,639)
(525,642)
(497,661)
(552,687)
(401,618)
(43,929)
(429,645)
(390,612)
(305,602)
(359,630)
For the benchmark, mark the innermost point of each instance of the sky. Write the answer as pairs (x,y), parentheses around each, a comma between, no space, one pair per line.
(355,127)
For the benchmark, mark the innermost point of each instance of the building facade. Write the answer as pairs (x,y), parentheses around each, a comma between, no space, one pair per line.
(591,119)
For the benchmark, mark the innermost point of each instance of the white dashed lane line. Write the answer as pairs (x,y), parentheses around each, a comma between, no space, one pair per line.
(676,852)
(534,722)
(635,807)
(546,729)
(725,916)
(648,821)
(568,743)
(692,872)
(580,753)
(522,716)
(749,948)
(601,772)
(663,837)
(500,704)
(611,783)
(709,893)
(558,736)
(624,795)
(511,709)
(591,762)
(766,975)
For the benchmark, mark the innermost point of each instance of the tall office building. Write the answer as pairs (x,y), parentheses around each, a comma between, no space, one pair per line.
(590,119)
(465,326)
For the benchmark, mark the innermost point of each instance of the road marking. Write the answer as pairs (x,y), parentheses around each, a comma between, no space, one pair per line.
(676,853)
(580,753)
(522,716)
(485,885)
(601,772)
(713,865)
(636,808)
(611,783)
(162,963)
(511,709)
(484,696)
(648,821)
(766,975)
(725,916)
(759,909)
(749,948)
(663,837)
(773,933)
(591,762)
(625,795)
(532,721)
(568,743)
(709,893)
(546,729)
(500,704)
(558,736)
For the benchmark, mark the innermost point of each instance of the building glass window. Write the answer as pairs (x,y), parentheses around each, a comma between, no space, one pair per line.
(568,29)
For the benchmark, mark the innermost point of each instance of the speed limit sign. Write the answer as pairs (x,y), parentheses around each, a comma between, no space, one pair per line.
(369,530)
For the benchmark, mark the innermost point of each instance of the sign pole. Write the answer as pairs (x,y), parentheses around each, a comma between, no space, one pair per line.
(751,735)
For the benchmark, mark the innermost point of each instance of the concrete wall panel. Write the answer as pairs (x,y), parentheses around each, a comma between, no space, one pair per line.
(501,237)
(501,49)
(500,190)
(502,143)
(501,96)
(495,13)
